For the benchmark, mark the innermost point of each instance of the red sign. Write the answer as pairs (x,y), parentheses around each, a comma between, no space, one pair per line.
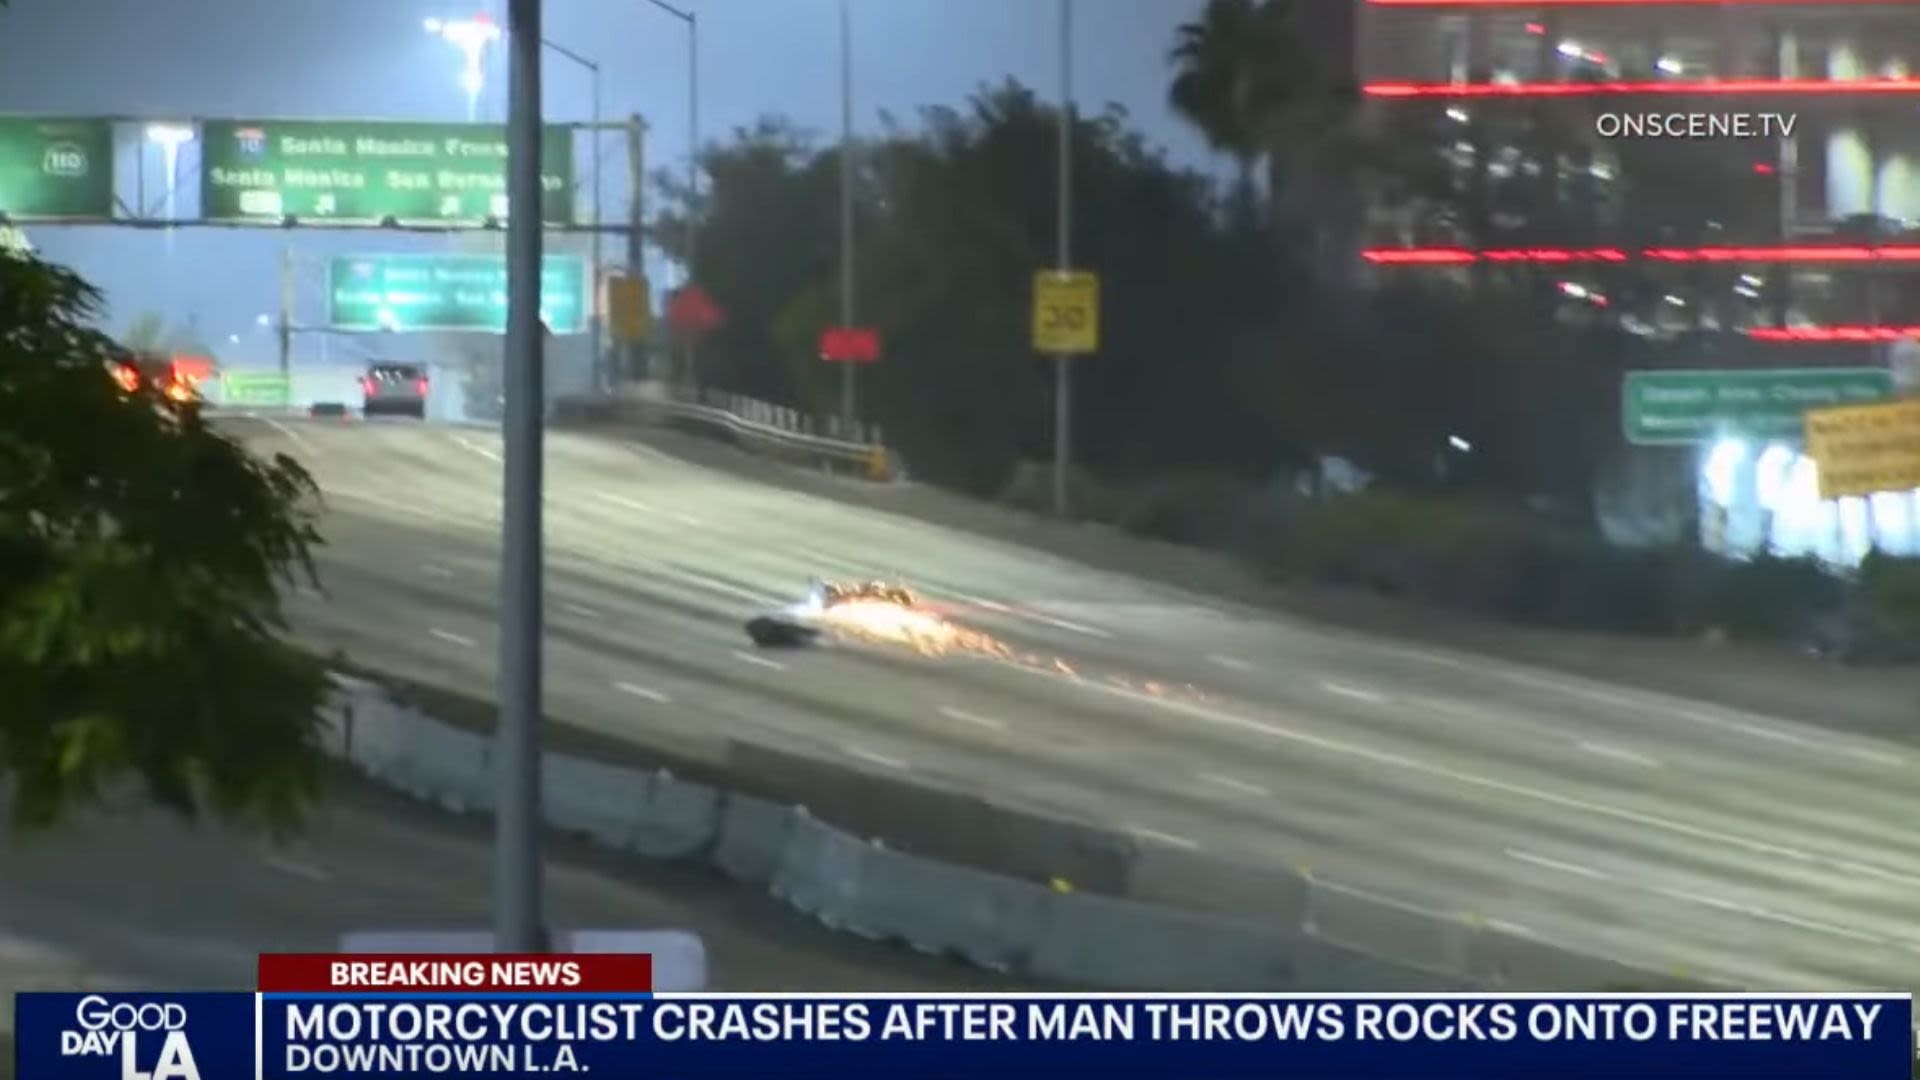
(692,312)
(850,344)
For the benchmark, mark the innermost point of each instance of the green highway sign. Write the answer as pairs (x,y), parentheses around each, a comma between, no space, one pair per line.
(55,169)
(256,388)
(447,292)
(358,172)
(1682,408)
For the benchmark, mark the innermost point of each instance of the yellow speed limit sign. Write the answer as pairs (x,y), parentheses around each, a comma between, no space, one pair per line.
(1066,312)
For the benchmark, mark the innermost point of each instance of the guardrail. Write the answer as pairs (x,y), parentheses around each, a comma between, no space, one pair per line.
(1312,935)
(773,430)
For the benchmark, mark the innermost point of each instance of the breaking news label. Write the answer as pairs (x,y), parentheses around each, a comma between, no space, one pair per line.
(593,1015)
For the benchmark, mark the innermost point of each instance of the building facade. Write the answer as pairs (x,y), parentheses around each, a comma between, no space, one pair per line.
(1737,181)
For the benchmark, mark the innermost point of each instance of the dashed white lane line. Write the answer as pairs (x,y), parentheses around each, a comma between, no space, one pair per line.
(476,448)
(286,429)
(1559,865)
(625,502)
(296,867)
(582,610)
(646,692)
(435,570)
(1719,903)
(975,719)
(758,661)
(1066,624)
(452,638)
(1224,719)
(1617,753)
(1357,693)
(727,587)
(1170,839)
(1235,784)
(1231,663)
(876,758)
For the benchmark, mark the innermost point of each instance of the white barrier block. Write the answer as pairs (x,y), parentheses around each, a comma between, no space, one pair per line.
(676,818)
(679,957)
(602,801)
(753,835)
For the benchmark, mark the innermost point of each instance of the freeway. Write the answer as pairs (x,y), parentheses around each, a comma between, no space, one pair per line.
(133,897)
(1672,832)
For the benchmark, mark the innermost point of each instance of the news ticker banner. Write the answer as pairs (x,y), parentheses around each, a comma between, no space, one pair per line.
(503,1016)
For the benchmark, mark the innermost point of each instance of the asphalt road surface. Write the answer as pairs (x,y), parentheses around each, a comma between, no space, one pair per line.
(136,898)
(1667,831)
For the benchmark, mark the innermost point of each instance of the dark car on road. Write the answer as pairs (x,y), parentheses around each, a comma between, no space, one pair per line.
(395,390)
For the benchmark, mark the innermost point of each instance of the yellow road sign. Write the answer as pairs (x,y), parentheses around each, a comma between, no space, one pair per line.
(629,307)
(1066,312)
(1861,449)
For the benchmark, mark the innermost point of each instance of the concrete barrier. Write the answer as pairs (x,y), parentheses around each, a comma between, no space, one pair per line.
(752,836)
(1042,921)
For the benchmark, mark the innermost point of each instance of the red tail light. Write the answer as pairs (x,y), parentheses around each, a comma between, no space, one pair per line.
(421,385)
(366,385)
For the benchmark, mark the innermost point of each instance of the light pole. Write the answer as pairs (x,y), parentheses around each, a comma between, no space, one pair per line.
(692,22)
(593,324)
(471,37)
(846,214)
(517,919)
(1063,365)
(170,138)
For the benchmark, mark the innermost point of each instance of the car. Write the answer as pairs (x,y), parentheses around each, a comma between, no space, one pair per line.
(156,371)
(395,389)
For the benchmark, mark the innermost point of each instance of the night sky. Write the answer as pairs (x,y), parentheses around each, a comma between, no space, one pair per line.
(372,58)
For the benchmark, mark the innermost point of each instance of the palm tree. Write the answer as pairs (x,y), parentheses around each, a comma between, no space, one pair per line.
(1247,78)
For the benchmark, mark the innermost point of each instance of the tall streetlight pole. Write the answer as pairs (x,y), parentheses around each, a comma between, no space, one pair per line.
(518,923)
(593,283)
(847,369)
(471,37)
(691,20)
(1063,364)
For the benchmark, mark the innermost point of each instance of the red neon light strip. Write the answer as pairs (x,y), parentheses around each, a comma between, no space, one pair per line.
(1829,334)
(1790,253)
(1625,3)
(1703,86)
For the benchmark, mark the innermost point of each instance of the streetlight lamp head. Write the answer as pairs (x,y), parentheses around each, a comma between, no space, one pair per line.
(433,25)
(169,134)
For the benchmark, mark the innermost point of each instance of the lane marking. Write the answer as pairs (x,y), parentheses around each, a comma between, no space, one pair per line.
(759,661)
(287,430)
(875,757)
(1355,692)
(718,585)
(1753,730)
(452,638)
(296,867)
(581,610)
(1231,663)
(1170,839)
(686,519)
(1619,754)
(1067,624)
(435,570)
(1556,864)
(1244,787)
(1487,783)
(1877,757)
(976,719)
(1767,914)
(639,691)
(623,501)
(475,447)
(985,604)
(1506,926)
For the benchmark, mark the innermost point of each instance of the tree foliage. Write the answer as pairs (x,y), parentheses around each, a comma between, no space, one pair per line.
(141,553)
(1221,352)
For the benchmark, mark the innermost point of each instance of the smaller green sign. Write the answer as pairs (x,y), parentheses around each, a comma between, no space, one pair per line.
(447,292)
(1683,408)
(257,389)
(55,169)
